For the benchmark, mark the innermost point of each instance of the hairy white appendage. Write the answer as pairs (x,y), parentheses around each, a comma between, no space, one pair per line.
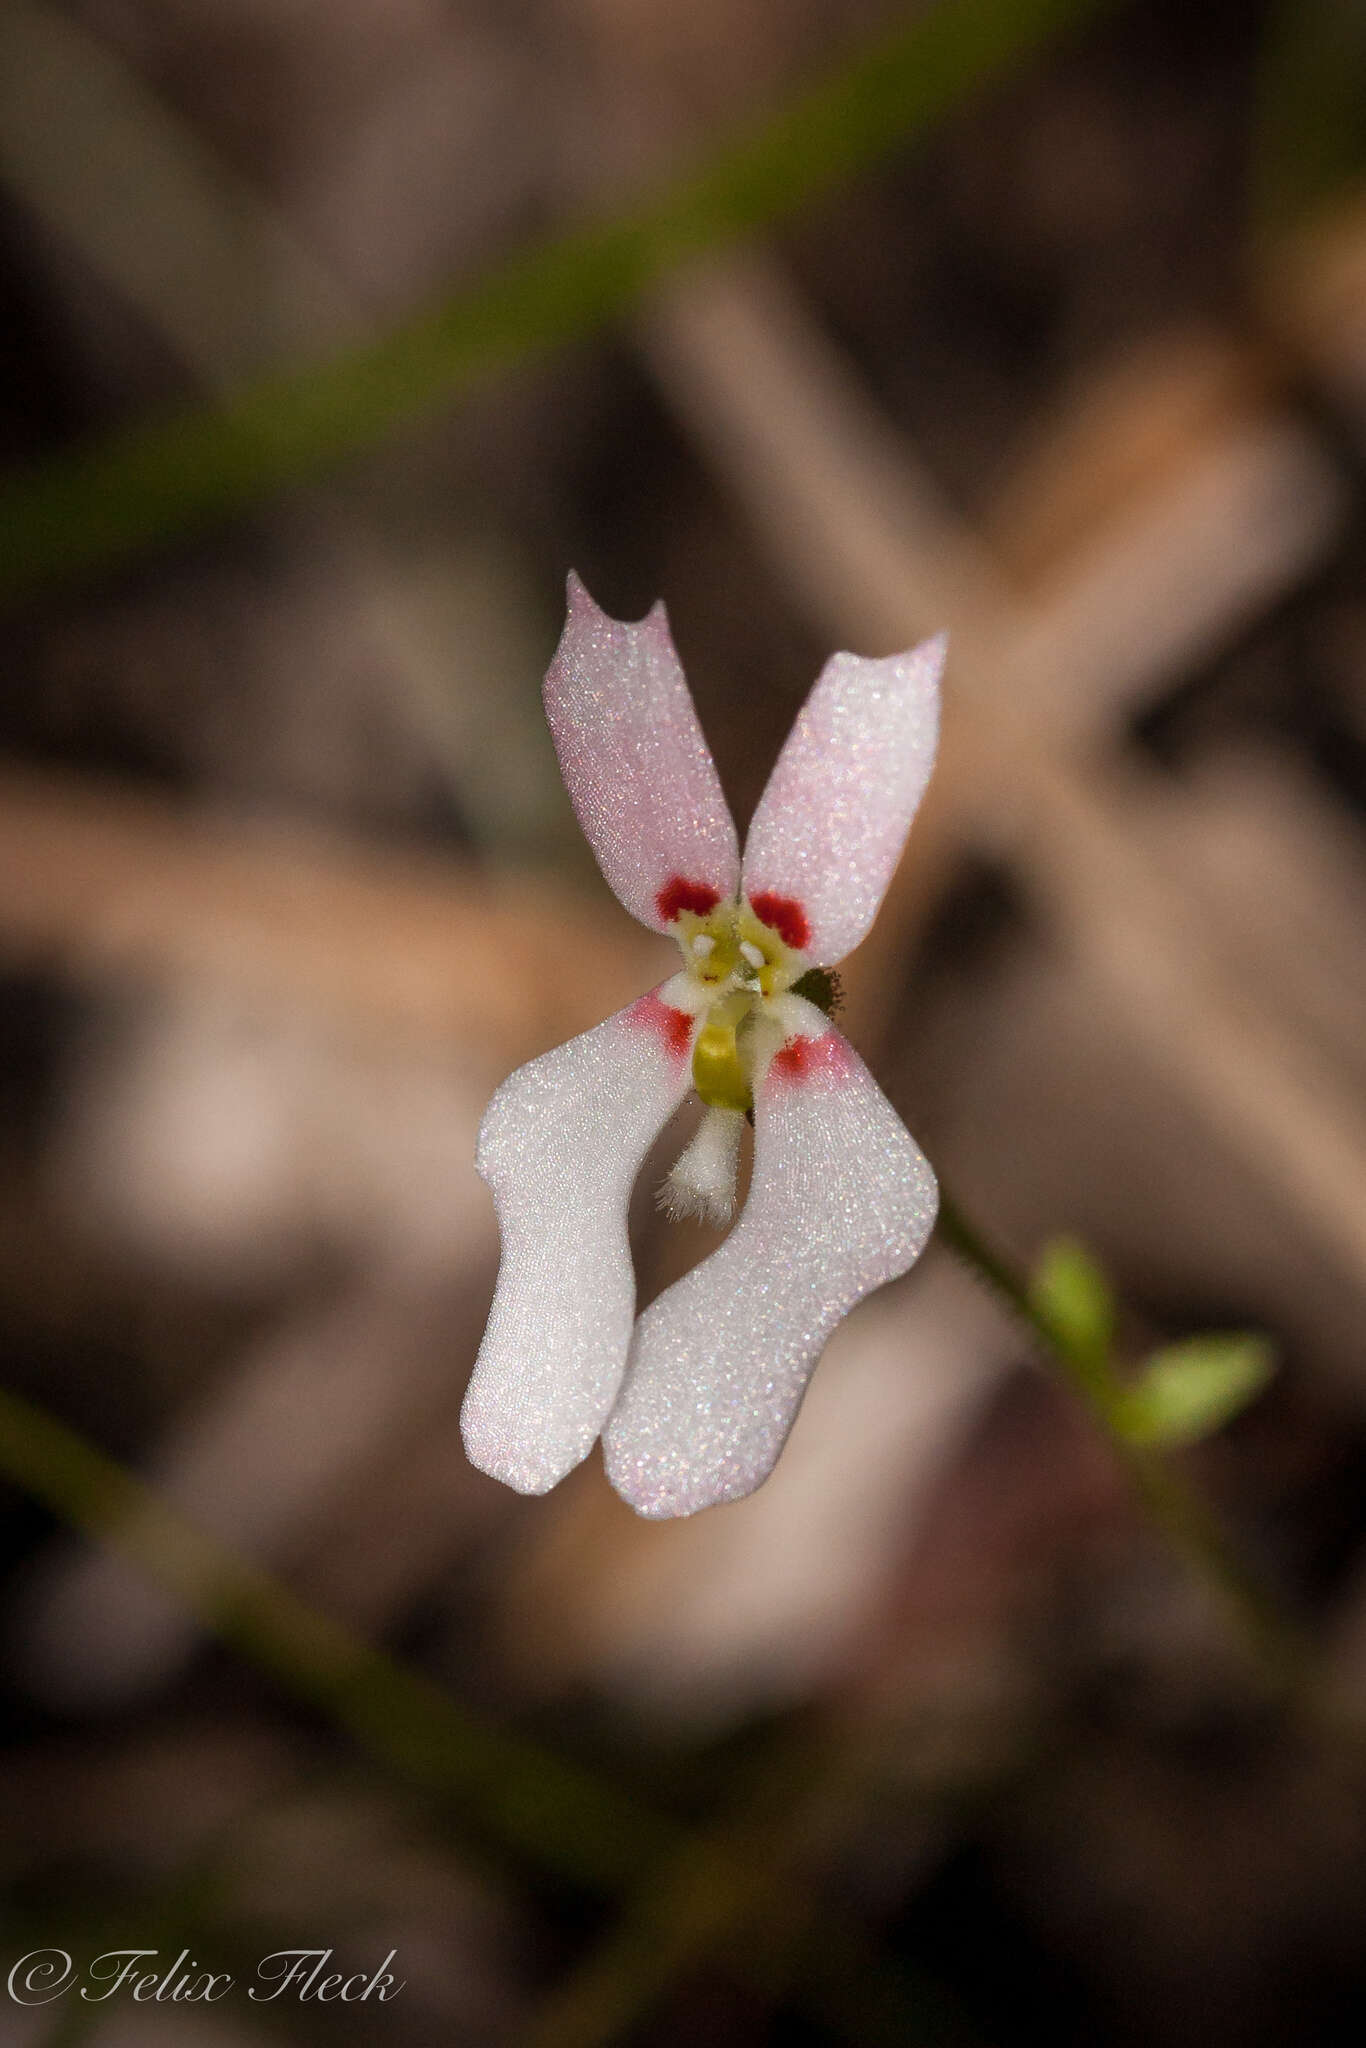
(702,1184)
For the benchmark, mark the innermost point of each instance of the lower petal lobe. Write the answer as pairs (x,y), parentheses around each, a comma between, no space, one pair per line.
(561,1144)
(841,1200)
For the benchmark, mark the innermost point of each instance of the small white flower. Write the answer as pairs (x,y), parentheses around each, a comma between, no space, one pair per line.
(694,1399)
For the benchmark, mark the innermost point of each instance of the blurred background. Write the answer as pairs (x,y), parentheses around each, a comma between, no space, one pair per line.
(1048,325)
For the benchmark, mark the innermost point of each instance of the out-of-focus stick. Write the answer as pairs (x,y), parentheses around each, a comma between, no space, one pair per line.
(96,882)
(871,552)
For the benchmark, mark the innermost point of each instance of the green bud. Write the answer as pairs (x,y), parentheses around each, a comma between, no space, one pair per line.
(1189,1390)
(1070,1293)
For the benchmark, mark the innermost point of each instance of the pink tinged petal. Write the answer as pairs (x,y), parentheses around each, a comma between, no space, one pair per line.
(638,771)
(831,824)
(560,1145)
(841,1200)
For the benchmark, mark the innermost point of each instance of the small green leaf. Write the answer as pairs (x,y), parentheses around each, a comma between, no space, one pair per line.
(1191,1389)
(1070,1293)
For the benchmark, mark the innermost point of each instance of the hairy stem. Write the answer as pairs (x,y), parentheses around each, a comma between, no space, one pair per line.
(1277,1645)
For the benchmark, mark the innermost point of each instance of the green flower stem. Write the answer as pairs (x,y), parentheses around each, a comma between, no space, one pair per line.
(686,1892)
(97,506)
(689,1894)
(520,1796)
(1279,1648)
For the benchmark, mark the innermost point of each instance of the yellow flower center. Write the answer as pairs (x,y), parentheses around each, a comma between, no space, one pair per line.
(743,965)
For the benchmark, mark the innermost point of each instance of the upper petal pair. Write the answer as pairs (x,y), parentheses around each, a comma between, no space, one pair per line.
(831,823)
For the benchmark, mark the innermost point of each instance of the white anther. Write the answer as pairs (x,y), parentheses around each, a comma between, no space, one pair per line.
(703,944)
(751,953)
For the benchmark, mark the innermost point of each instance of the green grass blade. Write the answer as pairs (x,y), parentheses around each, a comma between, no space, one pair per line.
(1309,133)
(101,504)
(520,1796)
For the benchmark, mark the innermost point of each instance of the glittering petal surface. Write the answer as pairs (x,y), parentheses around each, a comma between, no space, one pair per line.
(561,1144)
(841,1200)
(832,822)
(634,761)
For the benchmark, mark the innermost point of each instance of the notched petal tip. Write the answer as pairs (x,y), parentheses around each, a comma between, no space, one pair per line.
(578,597)
(633,758)
(582,613)
(834,816)
(935,649)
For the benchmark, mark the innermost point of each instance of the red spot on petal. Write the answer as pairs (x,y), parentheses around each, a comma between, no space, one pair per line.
(785,915)
(801,1059)
(673,1027)
(679,895)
